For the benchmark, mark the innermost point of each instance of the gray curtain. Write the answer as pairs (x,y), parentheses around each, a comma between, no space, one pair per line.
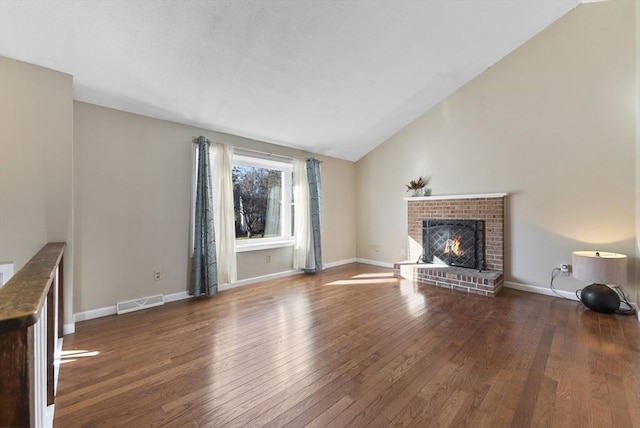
(204,267)
(315,207)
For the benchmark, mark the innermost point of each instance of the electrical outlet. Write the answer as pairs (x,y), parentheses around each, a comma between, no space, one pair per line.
(157,275)
(565,269)
(268,259)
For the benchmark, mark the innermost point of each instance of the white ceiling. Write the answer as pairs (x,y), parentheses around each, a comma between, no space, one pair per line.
(332,77)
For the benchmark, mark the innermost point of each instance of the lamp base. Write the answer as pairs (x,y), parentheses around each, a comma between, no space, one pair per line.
(600,298)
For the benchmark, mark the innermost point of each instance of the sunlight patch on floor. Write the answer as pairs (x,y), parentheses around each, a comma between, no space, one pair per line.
(363,281)
(374,275)
(73,355)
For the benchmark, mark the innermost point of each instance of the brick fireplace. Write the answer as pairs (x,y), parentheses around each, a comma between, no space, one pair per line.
(487,208)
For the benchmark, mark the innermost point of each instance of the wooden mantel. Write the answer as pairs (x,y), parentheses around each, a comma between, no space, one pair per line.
(33,291)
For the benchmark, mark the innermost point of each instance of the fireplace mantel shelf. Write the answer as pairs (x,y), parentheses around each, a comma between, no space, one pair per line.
(440,197)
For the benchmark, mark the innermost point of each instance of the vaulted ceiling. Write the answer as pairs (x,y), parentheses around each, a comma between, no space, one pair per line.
(331,77)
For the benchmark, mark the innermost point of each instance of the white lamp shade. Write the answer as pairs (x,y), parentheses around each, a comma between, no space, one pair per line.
(600,267)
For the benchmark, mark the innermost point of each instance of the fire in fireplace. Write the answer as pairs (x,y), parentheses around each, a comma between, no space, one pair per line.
(453,242)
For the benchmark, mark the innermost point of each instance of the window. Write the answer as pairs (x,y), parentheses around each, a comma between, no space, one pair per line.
(262,200)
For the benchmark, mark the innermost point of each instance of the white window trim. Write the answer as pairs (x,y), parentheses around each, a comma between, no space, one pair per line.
(285,240)
(250,246)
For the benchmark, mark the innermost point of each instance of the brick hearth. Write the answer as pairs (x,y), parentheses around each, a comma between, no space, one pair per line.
(488,207)
(486,283)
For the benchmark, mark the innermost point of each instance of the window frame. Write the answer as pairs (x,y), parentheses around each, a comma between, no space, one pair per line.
(286,166)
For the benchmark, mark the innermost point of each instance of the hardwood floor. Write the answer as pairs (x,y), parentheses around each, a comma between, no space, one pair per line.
(353,347)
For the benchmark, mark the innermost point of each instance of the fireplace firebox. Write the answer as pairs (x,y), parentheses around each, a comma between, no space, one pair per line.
(453,242)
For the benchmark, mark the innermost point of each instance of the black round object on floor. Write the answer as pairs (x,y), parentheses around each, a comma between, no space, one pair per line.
(600,298)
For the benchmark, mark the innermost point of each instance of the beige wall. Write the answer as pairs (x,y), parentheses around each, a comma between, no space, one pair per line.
(36,143)
(637,117)
(133,198)
(552,124)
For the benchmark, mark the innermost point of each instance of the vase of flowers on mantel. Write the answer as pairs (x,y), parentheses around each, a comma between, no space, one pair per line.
(417,187)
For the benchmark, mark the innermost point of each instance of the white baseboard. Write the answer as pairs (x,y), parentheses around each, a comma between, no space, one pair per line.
(69,328)
(112,310)
(339,263)
(540,290)
(255,279)
(95,313)
(548,292)
(174,297)
(375,263)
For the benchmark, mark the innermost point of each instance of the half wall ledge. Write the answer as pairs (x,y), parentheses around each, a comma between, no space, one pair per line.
(445,197)
(485,283)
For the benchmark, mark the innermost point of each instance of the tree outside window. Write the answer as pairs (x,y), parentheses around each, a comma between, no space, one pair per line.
(262,193)
(257,194)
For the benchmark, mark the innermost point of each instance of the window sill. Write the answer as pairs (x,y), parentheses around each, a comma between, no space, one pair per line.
(263,245)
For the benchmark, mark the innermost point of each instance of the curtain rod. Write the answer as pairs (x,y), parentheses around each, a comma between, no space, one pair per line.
(195,141)
(242,149)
